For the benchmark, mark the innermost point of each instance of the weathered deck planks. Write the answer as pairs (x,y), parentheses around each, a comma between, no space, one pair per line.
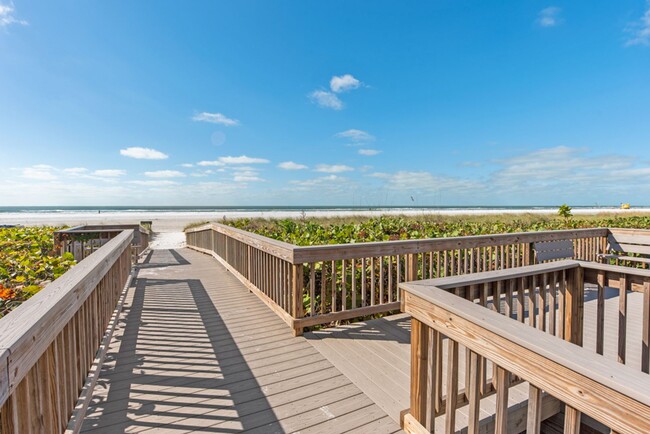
(195,351)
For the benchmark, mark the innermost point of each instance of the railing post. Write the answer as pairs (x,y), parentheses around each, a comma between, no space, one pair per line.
(296,295)
(411,267)
(419,371)
(574,305)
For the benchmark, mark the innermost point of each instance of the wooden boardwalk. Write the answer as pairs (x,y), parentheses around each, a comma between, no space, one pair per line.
(196,352)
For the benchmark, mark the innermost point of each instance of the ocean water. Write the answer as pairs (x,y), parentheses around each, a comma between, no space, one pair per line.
(271,209)
(175,218)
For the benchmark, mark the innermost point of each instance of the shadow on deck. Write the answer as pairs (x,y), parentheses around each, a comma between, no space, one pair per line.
(196,352)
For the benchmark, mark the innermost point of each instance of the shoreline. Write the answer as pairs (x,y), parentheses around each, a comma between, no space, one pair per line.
(175,221)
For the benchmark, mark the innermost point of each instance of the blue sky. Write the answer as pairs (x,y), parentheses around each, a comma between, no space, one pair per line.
(324,103)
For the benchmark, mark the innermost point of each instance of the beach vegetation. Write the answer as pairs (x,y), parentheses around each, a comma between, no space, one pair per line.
(564,211)
(312,231)
(28,262)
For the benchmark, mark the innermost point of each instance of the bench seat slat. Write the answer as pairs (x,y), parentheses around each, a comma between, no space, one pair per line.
(548,251)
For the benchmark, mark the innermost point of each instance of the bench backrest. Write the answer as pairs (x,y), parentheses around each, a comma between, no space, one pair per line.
(550,250)
(629,243)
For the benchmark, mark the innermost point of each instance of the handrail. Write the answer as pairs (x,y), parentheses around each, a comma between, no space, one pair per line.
(344,281)
(355,250)
(613,394)
(277,248)
(65,240)
(52,337)
(495,276)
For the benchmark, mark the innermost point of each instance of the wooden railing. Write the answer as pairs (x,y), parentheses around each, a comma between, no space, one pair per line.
(49,343)
(524,325)
(315,285)
(82,241)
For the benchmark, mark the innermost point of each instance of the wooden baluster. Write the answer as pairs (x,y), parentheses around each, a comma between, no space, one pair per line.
(312,288)
(390,279)
(354,283)
(534,420)
(323,288)
(434,379)
(600,313)
(363,282)
(501,414)
(465,262)
(509,294)
(372,281)
(334,272)
(520,299)
(645,329)
(552,303)
(496,298)
(453,263)
(452,387)
(344,284)
(474,397)
(531,301)
(622,317)
(381,280)
(445,266)
(571,420)
(561,304)
(541,303)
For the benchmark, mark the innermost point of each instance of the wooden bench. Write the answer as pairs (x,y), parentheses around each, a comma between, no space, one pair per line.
(553,250)
(620,244)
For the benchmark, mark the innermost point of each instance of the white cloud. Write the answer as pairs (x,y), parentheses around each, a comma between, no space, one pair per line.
(210,163)
(245,178)
(640,30)
(330,182)
(109,173)
(7,16)
(408,181)
(549,17)
(290,165)
(155,183)
(215,118)
(75,170)
(39,172)
(333,168)
(356,135)
(143,153)
(369,152)
(242,160)
(188,165)
(164,174)
(344,83)
(326,99)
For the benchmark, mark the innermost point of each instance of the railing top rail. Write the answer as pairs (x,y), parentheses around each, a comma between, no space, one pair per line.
(569,372)
(631,230)
(498,275)
(27,331)
(356,250)
(100,228)
(274,247)
(631,271)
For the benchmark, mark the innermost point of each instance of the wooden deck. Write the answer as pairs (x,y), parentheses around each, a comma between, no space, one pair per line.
(375,355)
(195,351)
